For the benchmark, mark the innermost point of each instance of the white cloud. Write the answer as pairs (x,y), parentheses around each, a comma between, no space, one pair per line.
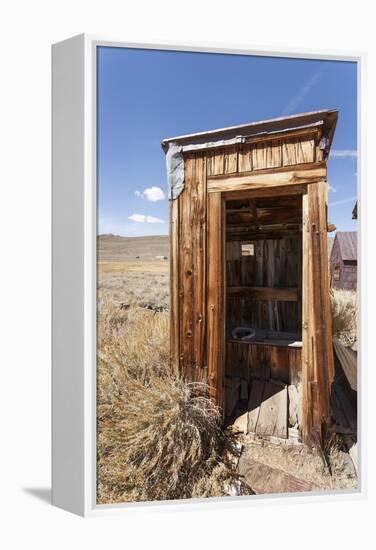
(152,194)
(344,153)
(141,218)
(343,201)
(332,189)
(301,95)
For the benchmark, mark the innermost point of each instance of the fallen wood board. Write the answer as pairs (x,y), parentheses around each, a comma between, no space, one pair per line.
(348,359)
(254,403)
(343,412)
(264,479)
(293,405)
(273,415)
(347,407)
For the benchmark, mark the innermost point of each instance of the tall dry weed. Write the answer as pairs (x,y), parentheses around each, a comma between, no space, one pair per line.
(344,315)
(159,437)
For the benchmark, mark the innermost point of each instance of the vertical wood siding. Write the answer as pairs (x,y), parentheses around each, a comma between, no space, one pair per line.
(275,153)
(198,272)
(191,271)
(318,368)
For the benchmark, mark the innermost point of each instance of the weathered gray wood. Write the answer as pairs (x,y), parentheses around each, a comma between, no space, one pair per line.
(281,423)
(272,419)
(264,479)
(257,390)
(241,182)
(265,293)
(348,359)
(293,405)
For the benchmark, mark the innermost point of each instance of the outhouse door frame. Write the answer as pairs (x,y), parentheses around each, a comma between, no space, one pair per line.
(317,352)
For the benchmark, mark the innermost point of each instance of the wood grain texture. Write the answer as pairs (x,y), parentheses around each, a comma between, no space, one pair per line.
(272,419)
(191,267)
(298,151)
(174,284)
(282,191)
(255,399)
(240,182)
(255,361)
(348,359)
(215,313)
(265,293)
(216,288)
(263,289)
(318,367)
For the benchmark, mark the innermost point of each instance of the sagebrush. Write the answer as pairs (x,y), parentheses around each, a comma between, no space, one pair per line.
(344,315)
(159,437)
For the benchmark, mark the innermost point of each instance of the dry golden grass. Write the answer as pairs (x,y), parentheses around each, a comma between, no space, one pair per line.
(159,437)
(144,284)
(344,313)
(142,266)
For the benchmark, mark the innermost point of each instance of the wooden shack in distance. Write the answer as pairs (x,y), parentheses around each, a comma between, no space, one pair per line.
(343,261)
(250,311)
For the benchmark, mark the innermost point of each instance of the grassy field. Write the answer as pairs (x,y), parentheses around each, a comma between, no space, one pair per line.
(158,436)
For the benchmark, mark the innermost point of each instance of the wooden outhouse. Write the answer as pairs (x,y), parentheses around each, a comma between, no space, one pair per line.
(344,261)
(250,312)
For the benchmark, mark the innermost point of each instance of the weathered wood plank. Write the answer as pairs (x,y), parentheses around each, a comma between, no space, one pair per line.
(255,398)
(259,362)
(293,405)
(198,275)
(265,293)
(279,170)
(318,367)
(272,419)
(265,192)
(241,182)
(280,359)
(191,266)
(185,267)
(245,158)
(281,403)
(298,151)
(348,359)
(230,164)
(266,155)
(215,313)
(174,284)
(264,479)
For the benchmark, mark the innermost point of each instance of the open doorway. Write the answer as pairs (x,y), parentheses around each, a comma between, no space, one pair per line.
(264,313)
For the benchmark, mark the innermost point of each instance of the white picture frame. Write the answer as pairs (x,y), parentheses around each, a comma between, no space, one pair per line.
(74,275)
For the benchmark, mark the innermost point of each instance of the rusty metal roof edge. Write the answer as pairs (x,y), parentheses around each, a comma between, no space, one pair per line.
(293,122)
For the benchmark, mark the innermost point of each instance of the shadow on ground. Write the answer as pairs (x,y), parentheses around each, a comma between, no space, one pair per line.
(41,493)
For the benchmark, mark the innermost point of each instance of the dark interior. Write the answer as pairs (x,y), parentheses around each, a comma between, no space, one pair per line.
(263,311)
(264,268)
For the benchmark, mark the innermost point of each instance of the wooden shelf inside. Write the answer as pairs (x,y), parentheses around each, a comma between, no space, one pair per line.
(267,342)
(265,293)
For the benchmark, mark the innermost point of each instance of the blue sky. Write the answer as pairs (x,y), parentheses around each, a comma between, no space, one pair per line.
(147,95)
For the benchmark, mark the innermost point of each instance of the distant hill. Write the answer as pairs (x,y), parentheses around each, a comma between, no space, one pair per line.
(115,248)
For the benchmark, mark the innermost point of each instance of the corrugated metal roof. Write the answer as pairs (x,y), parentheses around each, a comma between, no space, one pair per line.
(327,116)
(347,241)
